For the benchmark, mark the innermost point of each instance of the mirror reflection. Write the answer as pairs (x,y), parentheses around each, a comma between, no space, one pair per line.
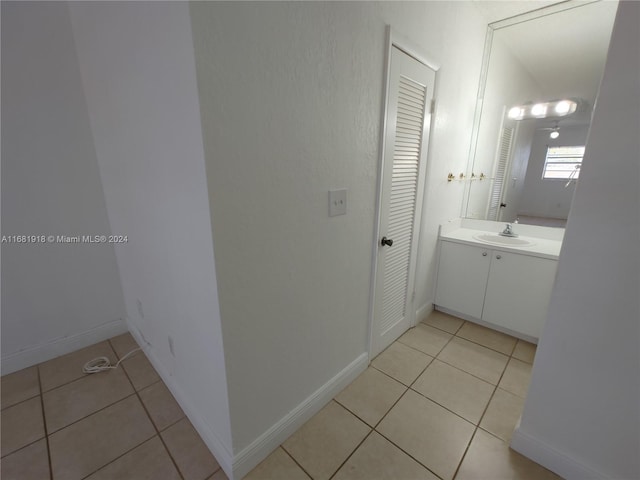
(542,73)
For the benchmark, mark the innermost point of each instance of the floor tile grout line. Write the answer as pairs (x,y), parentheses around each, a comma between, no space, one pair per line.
(486,346)
(476,426)
(451,411)
(468,373)
(84,375)
(77,380)
(475,431)
(21,401)
(118,457)
(44,425)
(153,424)
(466,450)
(91,414)
(294,459)
(424,322)
(375,428)
(406,453)
(371,430)
(371,365)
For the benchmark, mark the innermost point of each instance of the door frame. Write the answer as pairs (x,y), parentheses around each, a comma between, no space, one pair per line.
(394,39)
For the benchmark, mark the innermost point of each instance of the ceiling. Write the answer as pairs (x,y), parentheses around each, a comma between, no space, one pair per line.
(564,52)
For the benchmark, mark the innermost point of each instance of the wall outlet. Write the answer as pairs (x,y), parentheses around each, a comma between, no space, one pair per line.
(171,346)
(337,202)
(139,303)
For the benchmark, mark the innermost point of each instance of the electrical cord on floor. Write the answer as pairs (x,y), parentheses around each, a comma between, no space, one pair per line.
(102,364)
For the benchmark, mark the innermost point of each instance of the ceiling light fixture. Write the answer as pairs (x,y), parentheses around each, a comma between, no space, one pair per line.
(554,134)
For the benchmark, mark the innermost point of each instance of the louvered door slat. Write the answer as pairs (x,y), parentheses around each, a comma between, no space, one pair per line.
(495,198)
(410,118)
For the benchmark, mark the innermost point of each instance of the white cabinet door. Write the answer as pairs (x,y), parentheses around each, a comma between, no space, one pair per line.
(518,292)
(462,278)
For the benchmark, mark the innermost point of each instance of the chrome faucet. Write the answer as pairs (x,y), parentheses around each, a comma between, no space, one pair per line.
(508,231)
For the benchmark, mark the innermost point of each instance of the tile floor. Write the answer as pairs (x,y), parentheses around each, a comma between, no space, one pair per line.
(58,423)
(440,403)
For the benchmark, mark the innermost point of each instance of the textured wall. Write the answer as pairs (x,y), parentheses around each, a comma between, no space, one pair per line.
(51,293)
(138,73)
(291,99)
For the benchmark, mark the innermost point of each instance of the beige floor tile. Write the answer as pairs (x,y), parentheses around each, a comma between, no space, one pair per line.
(426,339)
(80,398)
(31,462)
(68,367)
(516,377)
(219,475)
(123,344)
(140,371)
(149,461)
(371,395)
(429,433)
(475,359)
(444,321)
(379,459)
(401,362)
(489,458)
(277,466)
(192,456)
(525,351)
(82,448)
(455,390)
(162,407)
(19,386)
(503,414)
(324,442)
(486,337)
(21,425)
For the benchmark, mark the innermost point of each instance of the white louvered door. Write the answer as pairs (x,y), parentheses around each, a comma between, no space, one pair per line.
(500,173)
(410,94)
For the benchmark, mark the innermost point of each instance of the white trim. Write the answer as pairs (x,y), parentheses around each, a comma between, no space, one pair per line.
(266,443)
(551,458)
(412,49)
(490,325)
(35,354)
(213,442)
(423,312)
(376,230)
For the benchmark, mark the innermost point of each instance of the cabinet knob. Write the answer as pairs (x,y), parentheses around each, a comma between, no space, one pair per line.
(484,254)
(498,257)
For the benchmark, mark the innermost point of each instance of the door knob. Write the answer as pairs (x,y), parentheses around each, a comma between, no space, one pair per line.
(386,241)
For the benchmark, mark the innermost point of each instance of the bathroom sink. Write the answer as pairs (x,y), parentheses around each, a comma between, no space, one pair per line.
(496,239)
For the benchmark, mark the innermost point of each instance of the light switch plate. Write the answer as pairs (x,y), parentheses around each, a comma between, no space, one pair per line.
(337,202)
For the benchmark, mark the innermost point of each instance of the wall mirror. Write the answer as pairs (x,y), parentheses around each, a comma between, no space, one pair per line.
(521,168)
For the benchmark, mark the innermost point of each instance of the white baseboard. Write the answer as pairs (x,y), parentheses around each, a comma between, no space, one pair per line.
(552,459)
(423,312)
(266,443)
(35,354)
(216,446)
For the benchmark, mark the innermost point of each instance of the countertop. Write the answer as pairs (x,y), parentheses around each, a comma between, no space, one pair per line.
(542,247)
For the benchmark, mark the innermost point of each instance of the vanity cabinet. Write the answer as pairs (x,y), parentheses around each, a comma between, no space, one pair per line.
(505,289)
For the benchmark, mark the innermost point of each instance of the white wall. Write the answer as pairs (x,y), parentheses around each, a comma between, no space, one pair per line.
(544,197)
(291,98)
(508,84)
(138,72)
(582,414)
(55,297)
